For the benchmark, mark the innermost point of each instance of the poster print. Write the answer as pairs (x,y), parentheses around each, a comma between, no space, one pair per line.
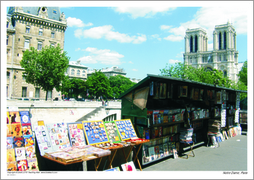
(25,118)
(9,130)
(112,131)
(10,155)
(18,141)
(20,153)
(26,130)
(129,166)
(9,143)
(126,129)
(12,166)
(42,138)
(16,129)
(32,164)
(14,117)
(30,152)
(29,140)
(22,165)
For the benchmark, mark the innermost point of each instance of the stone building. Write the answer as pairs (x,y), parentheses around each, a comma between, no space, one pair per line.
(77,70)
(30,27)
(224,55)
(113,71)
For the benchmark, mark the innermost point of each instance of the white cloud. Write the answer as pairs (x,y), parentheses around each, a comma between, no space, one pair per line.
(163,27)
(102,56)
(210,46)
(108,33)
(130,62)
(76,22)
(156,36)
(78,49)
(172,61)
(134,70)
(173,38)
(207,17)
(78,33)
(146,12)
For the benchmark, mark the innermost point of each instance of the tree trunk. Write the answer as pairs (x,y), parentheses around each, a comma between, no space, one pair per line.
(46,95)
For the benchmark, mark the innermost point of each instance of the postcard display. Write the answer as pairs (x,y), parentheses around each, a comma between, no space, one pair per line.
(20,142)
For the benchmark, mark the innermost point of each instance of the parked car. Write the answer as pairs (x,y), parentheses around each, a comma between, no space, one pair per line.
(81,99)
(72,99)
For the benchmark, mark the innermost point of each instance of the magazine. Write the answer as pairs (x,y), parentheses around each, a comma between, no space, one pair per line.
(22,165)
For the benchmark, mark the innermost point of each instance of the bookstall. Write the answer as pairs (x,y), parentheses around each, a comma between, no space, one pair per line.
(162,108)
(65,146)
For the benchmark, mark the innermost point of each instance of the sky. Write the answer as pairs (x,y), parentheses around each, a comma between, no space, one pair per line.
(144,36)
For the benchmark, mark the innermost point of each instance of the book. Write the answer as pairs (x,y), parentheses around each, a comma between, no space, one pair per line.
(165,149)
(29,140)
(18,141)
(12,166)
(10,155)
(113,169)
(129,166)
(175,154)
(32,164)
(30,152)
(20,153)
(9,143)
(16,129)
(22,165)
(14,117)
(156,152)
(161,150)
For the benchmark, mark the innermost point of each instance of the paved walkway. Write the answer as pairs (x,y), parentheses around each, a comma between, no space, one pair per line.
(230,157)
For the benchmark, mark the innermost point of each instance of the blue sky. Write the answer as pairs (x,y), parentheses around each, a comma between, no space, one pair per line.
(142,37)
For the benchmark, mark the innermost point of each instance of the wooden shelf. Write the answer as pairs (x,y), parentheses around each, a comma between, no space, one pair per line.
(201,119)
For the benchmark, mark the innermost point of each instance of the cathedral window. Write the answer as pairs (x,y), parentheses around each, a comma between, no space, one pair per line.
(225,40)
(196,43)
(225,73)
(220,41)
(191,44)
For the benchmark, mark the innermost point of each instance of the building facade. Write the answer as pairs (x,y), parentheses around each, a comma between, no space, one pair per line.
(30,27)
(113,71)
(77,70)
(224,55)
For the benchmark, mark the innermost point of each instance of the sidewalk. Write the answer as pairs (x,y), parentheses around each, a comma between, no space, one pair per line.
(230,156)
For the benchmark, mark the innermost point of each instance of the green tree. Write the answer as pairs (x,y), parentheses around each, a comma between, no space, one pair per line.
(78,87)
(243,74)
(98,85)
(119,84)
(201,74)
(45,68)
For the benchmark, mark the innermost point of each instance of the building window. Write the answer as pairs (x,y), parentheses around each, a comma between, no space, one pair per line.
(84,73)
(24,91)
(37,92)
(225,57)
(191,44)
(78,73)
(27,29)
(225,73)
(52,34)
(190,60)
(196,43)
(225,40)
(52,44)
(8,75)
(73,72)
(49,94)
(210,59)
(23,77)
(220,41)
(40,32)
(54,11)
(39,47)
(26,45)
(7,40)
(204,59)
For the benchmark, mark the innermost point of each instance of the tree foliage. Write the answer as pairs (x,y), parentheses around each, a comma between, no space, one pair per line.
(201,74)
(98,85)
(74,87)
(243,74)
(45,68)
(119,84)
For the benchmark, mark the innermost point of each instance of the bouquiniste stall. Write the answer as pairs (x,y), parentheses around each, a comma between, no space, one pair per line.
(175,114)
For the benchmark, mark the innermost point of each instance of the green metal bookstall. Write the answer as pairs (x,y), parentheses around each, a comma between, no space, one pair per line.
(159,107)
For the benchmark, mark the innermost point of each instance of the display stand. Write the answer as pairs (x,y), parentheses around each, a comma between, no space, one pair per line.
(191,144)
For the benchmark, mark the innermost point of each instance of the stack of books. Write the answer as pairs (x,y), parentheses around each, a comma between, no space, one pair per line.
(214,127)
(186,135)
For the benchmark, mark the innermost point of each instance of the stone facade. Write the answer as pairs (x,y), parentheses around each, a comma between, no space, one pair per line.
(30,27)
(113,71)
(224,55)
(77,70)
